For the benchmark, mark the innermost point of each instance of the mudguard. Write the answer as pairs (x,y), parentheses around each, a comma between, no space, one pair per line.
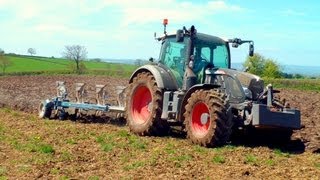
(163,77)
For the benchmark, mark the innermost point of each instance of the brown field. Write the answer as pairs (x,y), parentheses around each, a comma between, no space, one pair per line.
(103,148)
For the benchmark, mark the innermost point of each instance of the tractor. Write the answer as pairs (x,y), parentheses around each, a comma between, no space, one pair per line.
(194,86)
(191,86)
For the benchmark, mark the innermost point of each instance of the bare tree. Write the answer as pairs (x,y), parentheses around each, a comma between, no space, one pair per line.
(4,62)
(32,51)
(76,53)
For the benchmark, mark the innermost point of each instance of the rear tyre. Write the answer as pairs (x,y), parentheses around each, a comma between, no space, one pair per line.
(144,102)
(208,120)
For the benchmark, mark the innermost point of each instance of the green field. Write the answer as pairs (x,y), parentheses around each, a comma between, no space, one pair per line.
(300,84)
(24,65)
(31,65)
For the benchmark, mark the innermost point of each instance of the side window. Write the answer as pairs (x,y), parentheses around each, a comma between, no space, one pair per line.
(206,53)
(201,58)
(220,57)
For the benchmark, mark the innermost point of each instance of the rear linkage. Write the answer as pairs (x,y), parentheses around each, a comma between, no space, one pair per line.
(271,111)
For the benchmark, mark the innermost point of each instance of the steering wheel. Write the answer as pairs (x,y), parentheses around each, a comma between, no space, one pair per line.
(204,59)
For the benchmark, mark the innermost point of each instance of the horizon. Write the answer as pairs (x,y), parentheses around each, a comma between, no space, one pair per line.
(123,29)
(311,71)
(134,59)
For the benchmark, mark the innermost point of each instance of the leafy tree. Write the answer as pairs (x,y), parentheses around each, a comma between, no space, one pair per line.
(96,60)
(298,76)
(1,51)
(271,69)
(286,75)
(76,53)
(255,64)
(32,51)
(4,62)
(259,65)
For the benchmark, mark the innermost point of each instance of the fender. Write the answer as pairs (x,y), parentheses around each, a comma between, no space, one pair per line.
(163,76)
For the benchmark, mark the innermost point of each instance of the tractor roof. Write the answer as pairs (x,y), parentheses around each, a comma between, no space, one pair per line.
(201,37)
(206,37)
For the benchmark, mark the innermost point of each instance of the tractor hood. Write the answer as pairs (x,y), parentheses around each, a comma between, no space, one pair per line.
(254,83)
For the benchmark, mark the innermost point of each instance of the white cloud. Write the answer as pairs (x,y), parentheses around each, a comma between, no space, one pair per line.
(50,27)
(29,11)
(4,3)
(146,11)
(222,6)
(61,22)
(138,12)
(68,31)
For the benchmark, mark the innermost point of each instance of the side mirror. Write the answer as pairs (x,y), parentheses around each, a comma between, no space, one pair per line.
(179,35)
(251,49)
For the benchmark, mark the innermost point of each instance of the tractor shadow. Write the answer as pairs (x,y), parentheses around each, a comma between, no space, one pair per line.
(254,139)
(291,146)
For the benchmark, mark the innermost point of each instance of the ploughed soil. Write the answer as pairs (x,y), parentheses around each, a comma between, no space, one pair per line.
(103,147)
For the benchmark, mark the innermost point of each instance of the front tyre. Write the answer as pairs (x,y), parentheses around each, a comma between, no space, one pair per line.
(208,120)
(144,102)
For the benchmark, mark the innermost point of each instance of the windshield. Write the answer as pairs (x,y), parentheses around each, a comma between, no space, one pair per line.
(206,52)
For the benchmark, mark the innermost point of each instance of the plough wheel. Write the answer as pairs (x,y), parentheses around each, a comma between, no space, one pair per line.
(207,119)
(144,102)
(44,111)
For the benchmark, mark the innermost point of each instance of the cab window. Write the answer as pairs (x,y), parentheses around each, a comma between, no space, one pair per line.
(213,53)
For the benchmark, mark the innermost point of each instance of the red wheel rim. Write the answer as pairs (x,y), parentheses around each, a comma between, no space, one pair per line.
(200,119)
(141,102)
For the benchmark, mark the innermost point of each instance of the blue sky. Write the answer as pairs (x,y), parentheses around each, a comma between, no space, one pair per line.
(287,31)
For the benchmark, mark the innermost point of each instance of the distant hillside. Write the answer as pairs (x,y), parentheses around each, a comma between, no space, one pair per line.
(122,61)
(305,70)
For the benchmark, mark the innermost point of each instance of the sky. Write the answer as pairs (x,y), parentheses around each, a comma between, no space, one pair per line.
(286,31)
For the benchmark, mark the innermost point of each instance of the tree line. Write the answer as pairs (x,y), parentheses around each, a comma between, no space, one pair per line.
(267,67)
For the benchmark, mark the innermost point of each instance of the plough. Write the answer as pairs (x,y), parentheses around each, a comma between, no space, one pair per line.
(56,107)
